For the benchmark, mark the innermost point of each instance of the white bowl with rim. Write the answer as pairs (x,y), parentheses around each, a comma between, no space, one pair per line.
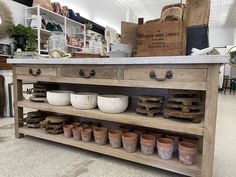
(59,97)
(113,104)
(83,100)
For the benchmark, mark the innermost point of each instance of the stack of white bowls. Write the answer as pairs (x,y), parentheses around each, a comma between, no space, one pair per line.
(112,104)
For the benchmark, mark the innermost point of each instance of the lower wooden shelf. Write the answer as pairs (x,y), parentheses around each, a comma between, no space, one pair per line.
(127,118)
(171,165)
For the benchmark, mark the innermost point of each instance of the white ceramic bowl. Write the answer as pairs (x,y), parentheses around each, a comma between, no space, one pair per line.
(113,104)
(84,100)
(58,97)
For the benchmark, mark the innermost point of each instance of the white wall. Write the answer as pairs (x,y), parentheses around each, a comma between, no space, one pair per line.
(235,36)
(220,37)
(105,12)
(18,11)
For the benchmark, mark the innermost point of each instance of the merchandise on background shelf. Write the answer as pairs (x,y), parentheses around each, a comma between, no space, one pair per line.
(92,43)
(26,55)
(43,3)
(56,7)
(57,46)
(99,45)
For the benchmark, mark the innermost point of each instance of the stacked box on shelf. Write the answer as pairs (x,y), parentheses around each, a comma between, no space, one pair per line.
(161,39)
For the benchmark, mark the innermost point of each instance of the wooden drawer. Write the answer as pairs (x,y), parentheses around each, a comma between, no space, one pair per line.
(90,72)
(167,74)
(36,71)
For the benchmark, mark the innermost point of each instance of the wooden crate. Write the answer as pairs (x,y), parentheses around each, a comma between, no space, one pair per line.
(161,39)
(129,34)
(197,12)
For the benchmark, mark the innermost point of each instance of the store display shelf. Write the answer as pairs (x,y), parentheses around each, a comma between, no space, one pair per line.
(52,16)
(43,31)
(152,160)
(44,51)
(75,47)
(73,22)
(127,118)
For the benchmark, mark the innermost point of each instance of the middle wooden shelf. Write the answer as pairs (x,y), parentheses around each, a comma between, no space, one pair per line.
(128,118)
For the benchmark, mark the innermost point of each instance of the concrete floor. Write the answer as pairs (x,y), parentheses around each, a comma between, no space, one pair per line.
(31,157)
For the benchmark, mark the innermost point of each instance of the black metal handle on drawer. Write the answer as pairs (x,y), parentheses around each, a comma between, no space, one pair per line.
(31,72)
(91,74)
(153,76)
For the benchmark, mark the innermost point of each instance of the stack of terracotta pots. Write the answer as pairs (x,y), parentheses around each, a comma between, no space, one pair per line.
(86,131)
(130,138)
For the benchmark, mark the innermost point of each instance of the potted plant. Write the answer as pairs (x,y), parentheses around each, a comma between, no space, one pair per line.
(25,38)
(232,57)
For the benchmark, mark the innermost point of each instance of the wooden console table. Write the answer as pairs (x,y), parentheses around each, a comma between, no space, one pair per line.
(188,73)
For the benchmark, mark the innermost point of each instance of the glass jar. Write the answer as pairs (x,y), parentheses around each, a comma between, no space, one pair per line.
(92,43)
(57,41)
(99,46)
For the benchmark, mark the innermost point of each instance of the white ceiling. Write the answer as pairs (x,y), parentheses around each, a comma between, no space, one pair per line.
(222,11)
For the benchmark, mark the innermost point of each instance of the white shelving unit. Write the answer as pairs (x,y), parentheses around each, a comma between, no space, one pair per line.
(69,26)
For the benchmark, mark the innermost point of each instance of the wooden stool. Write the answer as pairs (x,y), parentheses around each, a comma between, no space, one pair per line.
(2,96)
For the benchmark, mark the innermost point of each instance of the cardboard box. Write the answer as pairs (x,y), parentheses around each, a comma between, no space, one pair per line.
(197,12)
(161,39)
(129,34)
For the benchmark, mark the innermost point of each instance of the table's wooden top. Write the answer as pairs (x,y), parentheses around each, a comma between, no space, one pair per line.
(126,61)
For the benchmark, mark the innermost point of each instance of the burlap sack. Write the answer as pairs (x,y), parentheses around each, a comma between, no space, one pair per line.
(43,3)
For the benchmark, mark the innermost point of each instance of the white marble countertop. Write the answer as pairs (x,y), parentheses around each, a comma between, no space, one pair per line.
(126,61)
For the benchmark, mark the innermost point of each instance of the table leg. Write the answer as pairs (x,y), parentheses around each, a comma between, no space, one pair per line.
(210,121)
(18,111)
(225,85)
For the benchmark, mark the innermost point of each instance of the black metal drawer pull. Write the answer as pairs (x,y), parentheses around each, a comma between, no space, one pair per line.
(31,72)
(153,76)
(91,74)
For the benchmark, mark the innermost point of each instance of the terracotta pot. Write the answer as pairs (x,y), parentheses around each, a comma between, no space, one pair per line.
(148,143)
(156,133)
(129,140)
(86,135)
(100,135)
(176,138)
(115,138)
(84,125)
(86,122)
(67,129)
(98,124)
(76,124)
(187,152)
(93,127)
(140,130)
(126,128)
(165,147)
(76,131)
(192,139)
